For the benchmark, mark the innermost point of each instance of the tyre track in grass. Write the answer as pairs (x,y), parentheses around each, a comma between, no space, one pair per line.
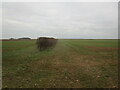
(73,72)
(59,67)
(98,81)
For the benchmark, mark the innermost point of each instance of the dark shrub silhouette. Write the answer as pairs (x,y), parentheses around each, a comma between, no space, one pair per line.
(44,43)
(11,39)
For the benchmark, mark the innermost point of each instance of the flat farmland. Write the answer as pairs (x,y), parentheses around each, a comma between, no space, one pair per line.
(73,63)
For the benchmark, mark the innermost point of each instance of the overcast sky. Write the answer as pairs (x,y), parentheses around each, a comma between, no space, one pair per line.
(60,19)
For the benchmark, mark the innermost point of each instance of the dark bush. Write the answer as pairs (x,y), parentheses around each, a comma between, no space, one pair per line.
(44,43)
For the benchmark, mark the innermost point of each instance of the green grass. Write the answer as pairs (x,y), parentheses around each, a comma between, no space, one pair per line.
(71,64)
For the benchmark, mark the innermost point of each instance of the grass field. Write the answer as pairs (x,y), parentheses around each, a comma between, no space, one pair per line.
(71,64)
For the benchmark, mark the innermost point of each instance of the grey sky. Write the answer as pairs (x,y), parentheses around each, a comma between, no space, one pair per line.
(60,19)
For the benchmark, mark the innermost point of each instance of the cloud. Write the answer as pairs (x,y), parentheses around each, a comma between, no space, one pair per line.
(60,19)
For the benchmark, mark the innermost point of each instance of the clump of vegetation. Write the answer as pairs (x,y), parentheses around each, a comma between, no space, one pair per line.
(44,43)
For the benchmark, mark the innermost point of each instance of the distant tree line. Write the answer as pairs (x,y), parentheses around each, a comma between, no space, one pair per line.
(23,38)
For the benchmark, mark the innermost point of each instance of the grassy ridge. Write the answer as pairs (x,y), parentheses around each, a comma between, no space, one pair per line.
(72,63)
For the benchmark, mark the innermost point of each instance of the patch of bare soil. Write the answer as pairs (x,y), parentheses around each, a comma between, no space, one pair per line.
(5,50)
(102,48)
